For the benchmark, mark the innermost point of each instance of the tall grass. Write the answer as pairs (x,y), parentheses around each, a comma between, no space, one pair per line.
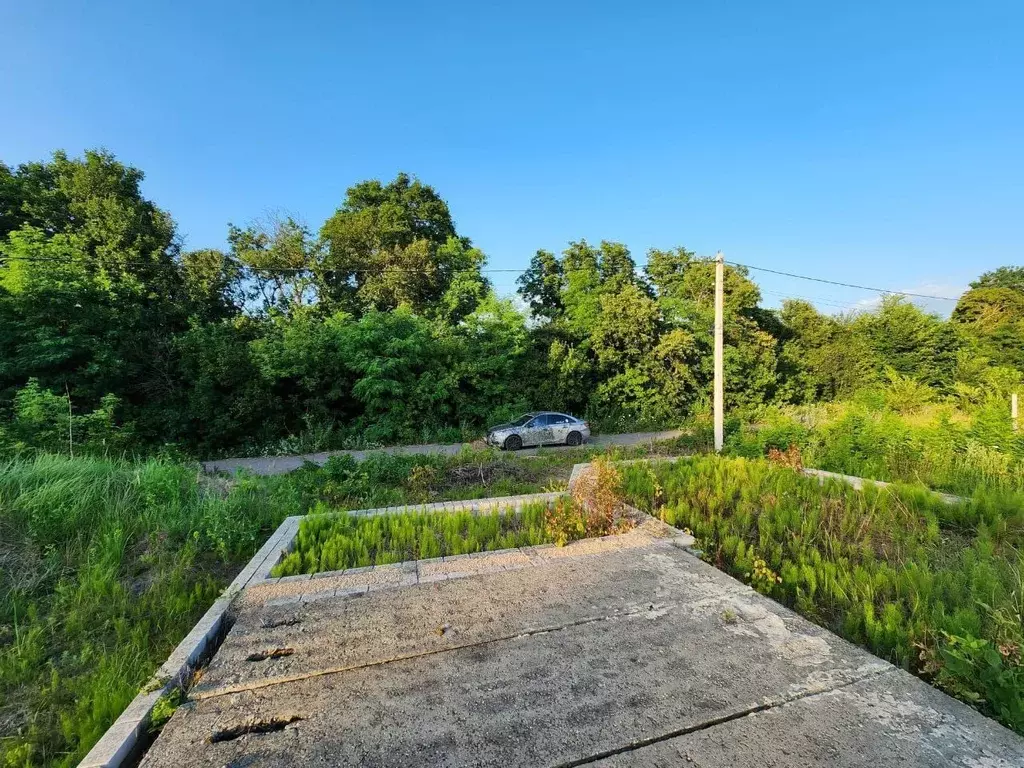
(934,587)
(940,447)
(104,566)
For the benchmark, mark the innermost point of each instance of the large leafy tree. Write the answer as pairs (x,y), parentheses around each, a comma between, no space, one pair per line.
(395,244)
(542,284)
(910,341)
(94,293)
(991,316)
(822,357)
(277,260)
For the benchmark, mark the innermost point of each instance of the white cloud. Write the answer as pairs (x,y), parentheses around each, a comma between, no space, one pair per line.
(937,306)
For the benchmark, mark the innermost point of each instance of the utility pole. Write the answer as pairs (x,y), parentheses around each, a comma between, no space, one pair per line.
(719,348)
(1013,410)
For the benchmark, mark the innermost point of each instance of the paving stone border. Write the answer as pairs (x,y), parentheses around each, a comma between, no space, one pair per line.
(859,482)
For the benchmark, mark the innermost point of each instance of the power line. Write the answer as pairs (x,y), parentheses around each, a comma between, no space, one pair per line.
(845,285)
(411,270)
(815,299)
(486,270)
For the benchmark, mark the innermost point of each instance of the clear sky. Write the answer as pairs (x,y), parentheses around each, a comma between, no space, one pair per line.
(882,143)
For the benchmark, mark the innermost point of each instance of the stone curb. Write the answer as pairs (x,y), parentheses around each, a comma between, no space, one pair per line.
(121,740)
(119,743)
(858,483)
(410,573)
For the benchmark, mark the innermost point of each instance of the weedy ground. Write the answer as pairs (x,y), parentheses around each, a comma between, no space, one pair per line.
(106,564)
(940,446)
(934,587)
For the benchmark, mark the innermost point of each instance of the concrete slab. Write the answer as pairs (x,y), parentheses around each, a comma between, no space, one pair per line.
(621,655)
(890,720)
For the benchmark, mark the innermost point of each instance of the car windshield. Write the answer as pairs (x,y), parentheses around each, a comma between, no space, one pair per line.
(522,420)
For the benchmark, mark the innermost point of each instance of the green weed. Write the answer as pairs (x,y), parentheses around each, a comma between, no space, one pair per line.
(934,587)
(332,541)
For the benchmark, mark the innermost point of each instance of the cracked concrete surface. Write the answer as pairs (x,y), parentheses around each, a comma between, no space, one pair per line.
(624,656)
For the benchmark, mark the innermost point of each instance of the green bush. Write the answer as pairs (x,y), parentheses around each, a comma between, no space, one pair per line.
(940,447)
(42,421)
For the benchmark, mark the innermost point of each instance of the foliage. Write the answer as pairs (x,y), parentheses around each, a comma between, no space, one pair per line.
(955,450)
(334,541)
(564,521)
(379,326)
(102,573)
(105,564)
(930,585)
(45,422)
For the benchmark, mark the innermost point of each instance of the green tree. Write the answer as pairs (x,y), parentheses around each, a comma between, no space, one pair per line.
(542,284)
(667,269)
(1003,277)
(910,341)
(213,283)
(991,316)
(394,244)
(92,283)
(279,259)
(627,329)
(821,357)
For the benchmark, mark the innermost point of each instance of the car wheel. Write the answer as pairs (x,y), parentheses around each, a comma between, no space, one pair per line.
(513,443)
(574,439)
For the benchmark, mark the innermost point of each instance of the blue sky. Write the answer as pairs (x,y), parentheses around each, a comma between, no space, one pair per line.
(879,144)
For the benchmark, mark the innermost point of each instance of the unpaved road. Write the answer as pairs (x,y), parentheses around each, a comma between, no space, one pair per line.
(279,465)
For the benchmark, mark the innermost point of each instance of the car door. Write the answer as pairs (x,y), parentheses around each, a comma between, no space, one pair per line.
(538,431)
(559,428)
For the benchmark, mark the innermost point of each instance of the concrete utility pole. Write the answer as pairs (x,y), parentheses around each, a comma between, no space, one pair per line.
(719,348)
(1013,410)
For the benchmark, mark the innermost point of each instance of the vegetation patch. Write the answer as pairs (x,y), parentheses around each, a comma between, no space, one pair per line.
(934,587)
(955,447)
(339,541)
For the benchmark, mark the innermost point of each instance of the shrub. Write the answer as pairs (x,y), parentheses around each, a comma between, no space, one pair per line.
(45,422)
(597,493)
(564,521)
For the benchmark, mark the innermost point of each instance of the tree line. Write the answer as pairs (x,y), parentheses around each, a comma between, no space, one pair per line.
(383,327)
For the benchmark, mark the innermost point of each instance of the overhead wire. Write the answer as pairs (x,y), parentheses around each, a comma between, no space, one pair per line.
(411,270)
(815,299)
(498,270)
(845,285)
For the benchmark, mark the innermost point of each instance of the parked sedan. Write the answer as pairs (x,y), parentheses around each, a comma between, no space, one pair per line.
(541,428)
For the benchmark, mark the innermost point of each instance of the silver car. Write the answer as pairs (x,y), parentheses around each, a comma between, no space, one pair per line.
(539,428)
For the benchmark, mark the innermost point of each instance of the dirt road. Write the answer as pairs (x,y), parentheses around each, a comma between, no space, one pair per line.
(278,465)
